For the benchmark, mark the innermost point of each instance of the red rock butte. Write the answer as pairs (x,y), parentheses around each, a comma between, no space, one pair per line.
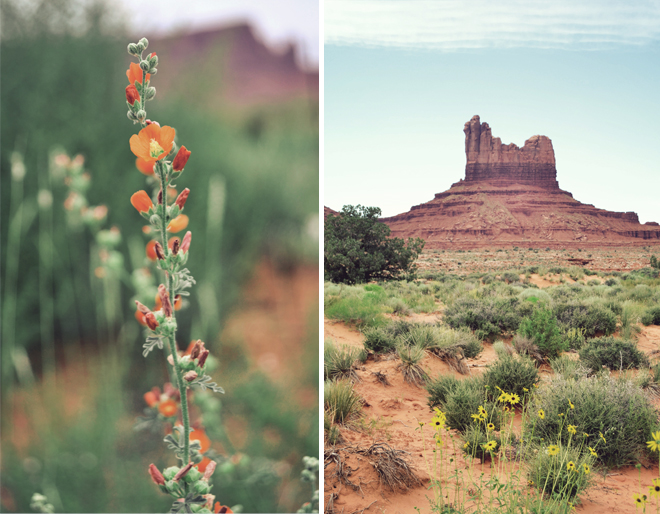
(510,196)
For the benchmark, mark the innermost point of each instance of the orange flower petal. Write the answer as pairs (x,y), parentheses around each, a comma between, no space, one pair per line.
(145,167)
(168,408)
(167,138)
(151,250)
(140,147)
(140,317)
(134,73)
(150,398)
(200,435)
(141,201)
(178,224)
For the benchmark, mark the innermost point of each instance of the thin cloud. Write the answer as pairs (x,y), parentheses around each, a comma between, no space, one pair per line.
(459,24)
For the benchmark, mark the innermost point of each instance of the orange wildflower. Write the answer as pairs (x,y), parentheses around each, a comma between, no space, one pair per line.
(132,94)
(200,435)
(150,398)
(151,250)
(168,408)
(145,167)
(178,224)
(181,159)
(141,201)
(159,304)
(140,317)
(223,509)
(152,143)
(134,73)
(172,241)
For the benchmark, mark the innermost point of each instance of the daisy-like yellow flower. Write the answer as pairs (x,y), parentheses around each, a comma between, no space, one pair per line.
(561,414)
(586,468)
(476,417)
(570,465)
(489,446)
(503,398)
(506,408)
(603,437)
(514,398)
(655,488)
(541,414)
(530,482)
(593,452)
(571,429)
(653,445)
(525,390)
(490,427)
(640,500)
(553,449)
(439,420)
(466,445)
(570,404)
(482,411)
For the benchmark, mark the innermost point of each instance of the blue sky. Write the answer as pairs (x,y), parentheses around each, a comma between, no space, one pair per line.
(403,76)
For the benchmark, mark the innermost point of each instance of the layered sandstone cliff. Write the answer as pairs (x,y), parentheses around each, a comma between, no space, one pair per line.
(510,196)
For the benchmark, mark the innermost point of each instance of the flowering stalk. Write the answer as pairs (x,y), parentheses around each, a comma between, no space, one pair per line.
(156,155)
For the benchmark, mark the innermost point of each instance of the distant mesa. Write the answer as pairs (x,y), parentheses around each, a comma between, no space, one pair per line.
(327,211)
(510,196)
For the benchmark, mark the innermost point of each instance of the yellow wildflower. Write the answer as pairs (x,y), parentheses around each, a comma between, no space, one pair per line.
(640,500)
(571,429)
(655,488)
(586,468)
(541,414)
(553,449)
(570,465)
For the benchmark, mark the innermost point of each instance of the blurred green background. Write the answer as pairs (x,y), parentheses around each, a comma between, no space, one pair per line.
(73,375)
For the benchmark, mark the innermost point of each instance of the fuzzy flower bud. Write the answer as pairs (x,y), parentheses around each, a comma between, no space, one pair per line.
(133,49)
(175,247)
(160,253)
(142,308)
(190,376)
(181,159)
(150,320)
(165,300)
(183,472)
(156,475)
(210,468)
(185,244)
(181,199)
(196,349)
(144,42)
(202,358)
(132,94)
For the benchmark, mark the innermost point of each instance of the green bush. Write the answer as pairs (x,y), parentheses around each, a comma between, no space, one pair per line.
(617,408)
(512,374)
(410,357)
(341,402)
(338,362)
(612,353)
(357,248)
(593,318)
(542,328)
(651,316)
(379,340)
(487,317)
(551,475)
(568,367)
(574,338)
(439,390)
(464,401)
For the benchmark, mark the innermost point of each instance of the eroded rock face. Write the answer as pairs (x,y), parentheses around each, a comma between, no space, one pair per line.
(489,159)
(510,196)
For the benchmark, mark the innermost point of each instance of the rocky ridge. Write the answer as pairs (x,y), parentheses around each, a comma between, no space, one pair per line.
(510,196)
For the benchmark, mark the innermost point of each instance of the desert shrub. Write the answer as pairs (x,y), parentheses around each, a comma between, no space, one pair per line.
(550,472)
(462,338)
(357,248)
(398,306)
(525,346)
(651,316)
(612,353)
(574,338)
(487,317)
(356,306)
(410,357)
(510,277)
(338,362)
(542,328)
(617,408)
(593,318)
(379,340)
(421,335)
(629,318)
(568,367)
(464,401)
(439,390)
(512,374)
(611,282)
(535,296)
(474,437)
(331,431)
(641,292)
(340,401)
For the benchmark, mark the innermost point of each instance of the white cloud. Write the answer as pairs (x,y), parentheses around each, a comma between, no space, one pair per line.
(458,24)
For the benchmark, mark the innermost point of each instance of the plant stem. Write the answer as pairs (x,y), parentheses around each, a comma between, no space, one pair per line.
(170,290)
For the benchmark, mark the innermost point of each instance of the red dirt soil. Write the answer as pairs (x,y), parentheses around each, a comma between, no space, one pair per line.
(391,414)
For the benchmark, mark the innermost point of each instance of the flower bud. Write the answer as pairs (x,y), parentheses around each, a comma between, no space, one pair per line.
(144,42)
(185,244)
(165,300)
(132,94)
(150,398)
(151,249)
(133,49)
(142,308)
(196,349)
(181,159)
(201,488)
(175,247)
(183,472)
(141,115)
(209,470)
(156,475)
(190,376)
(181,199)
(160,197)
(202,358)
(160,253)
(144,65)
(153,59)
(150,92)
(151,321)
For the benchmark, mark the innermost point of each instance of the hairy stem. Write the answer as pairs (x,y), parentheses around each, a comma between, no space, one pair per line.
(170,289)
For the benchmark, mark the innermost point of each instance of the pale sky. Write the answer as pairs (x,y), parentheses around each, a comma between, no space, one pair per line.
(403,76)
(277,22)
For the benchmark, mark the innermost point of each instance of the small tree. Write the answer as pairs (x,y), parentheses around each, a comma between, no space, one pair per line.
(542,328)
(357,248)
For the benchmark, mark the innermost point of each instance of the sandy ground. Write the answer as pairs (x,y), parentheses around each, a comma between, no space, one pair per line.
(391,414)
